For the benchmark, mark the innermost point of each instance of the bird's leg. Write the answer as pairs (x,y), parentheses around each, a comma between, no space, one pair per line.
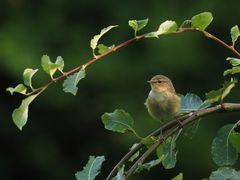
(161,136)
(179,123)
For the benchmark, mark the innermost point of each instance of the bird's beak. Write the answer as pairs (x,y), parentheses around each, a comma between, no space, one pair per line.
(150,82)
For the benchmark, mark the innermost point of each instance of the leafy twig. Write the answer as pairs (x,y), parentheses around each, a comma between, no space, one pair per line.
(85,65)
(97,57)
(167,130)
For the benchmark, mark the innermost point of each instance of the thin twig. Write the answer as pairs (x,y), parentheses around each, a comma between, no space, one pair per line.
(150,150)
(142,158)
(89,62)
(125,158)
(219,41)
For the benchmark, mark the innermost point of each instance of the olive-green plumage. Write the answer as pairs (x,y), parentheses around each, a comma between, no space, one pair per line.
(162,103)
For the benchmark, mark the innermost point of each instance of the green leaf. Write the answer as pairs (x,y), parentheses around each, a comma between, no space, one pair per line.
(171,154)
(137,24)
(27,76)
(235,33)
(152,35)
(148,165)
(170,157)
(191,129)
(120,175)
(95,39)
(234,61)
(102,48)
(235,141)
(205,104)
(220,94)
(92,168)
(178,177)
(166,27)
(149,141)
(48,66)
(168,151)
(60,63)
(20,88)
(225,173)
(223,153)
(20,114)
(134,156)
(202,21)
(118,121)
(234,70)
(70,83)
(190,102)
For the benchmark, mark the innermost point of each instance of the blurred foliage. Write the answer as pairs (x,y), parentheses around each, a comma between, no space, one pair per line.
(64,130)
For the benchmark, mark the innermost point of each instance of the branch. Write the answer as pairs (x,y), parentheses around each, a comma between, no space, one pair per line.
(94,59)
(167,130)
(89,62)
(219,41)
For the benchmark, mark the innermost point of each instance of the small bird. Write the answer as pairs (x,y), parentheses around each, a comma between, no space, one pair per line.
(162,103)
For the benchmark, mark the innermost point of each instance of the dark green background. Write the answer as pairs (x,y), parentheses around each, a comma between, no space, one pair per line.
(64,130)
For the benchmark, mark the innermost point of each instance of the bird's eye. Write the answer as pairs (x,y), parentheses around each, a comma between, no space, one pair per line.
(159,81)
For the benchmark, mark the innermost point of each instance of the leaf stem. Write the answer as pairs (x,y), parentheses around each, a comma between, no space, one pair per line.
(124,159)
(136,134)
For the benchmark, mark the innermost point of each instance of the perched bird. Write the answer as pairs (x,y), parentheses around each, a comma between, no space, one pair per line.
(162,102)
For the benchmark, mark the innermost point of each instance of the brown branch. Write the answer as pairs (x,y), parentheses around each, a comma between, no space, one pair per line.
(167,130)
(122,161)
(85,65)
(219,41)
(95,58)
(142,158)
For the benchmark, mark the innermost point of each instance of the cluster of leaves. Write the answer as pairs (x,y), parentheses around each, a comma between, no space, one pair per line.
(225,146)
(225,150)
(20,114)
(235,62)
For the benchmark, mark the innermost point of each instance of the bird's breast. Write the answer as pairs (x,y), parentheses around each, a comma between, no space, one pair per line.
(162,105)
(159,99)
